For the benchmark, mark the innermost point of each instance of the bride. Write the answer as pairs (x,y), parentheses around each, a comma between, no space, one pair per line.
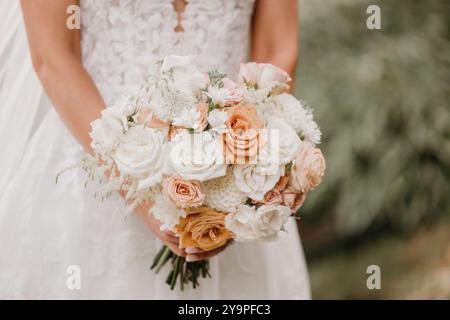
(54,234)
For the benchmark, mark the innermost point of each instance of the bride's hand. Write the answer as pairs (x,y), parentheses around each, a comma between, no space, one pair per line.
(197,254)
(167,237)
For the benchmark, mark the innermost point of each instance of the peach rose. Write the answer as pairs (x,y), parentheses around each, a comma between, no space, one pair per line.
(275,196)
(183,193)
(242,135)
(235,93)
(203,228)
(203,108)
(147,119)
(272,197)
(293,200)
(308,168)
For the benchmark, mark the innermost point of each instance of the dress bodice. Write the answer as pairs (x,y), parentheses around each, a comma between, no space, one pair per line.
(121,39)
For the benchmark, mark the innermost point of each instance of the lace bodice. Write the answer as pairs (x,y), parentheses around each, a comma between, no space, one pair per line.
(121,39)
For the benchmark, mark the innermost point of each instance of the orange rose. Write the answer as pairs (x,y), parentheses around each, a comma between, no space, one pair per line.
(183,193)
(308,168)
(292,199)
(203,228)
(242,136)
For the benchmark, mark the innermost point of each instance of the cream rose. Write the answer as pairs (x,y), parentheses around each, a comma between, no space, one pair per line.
(282,141)
(243,223)
(195,157)
(251,180)
(140,153)
(183,193)
(308,168)
(271,219)
(249,224)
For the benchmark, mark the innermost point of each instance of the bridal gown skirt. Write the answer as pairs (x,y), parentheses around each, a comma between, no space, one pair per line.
(48,230)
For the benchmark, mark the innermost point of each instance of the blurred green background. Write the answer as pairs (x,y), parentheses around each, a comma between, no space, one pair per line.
(382,98)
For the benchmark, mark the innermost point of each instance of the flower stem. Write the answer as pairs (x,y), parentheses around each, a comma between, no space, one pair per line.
(165,256)
(187,272)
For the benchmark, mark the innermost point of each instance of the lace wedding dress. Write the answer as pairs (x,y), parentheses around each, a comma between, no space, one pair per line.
(46,228)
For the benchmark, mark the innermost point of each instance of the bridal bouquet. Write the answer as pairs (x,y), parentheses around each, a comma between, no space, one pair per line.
(218,159)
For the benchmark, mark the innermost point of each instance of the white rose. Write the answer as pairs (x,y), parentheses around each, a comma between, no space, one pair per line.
(271,219)
(266,77)
(249,224)
(283,142)
(196,157)
(243,223)
(141,154)
(108,129)
(254,181)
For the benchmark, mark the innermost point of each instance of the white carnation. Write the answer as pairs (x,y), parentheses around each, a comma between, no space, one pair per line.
(286,107)
(140,154)
(107,130)
(196,157)
(188,118)
(167,213)
(217,119)
(218,95)
(222,193)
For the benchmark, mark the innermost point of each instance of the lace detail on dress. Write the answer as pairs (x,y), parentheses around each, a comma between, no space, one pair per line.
(121,39)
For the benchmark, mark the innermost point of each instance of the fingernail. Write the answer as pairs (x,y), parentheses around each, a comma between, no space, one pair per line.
(190,259)
(191,250)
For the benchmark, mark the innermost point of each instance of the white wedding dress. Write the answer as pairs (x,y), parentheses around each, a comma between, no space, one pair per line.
(45,228)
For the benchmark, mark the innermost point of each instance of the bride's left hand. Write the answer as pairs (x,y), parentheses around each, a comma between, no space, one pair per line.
(197,254)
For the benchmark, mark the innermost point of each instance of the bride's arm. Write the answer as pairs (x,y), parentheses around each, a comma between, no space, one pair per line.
(56,55)
(275,33)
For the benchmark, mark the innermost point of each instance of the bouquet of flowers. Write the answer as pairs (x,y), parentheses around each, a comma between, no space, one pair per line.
(219,160)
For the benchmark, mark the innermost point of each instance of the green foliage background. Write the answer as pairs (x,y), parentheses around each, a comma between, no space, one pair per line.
(382,100)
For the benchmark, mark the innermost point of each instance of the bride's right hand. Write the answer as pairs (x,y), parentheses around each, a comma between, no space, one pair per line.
(167,237)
